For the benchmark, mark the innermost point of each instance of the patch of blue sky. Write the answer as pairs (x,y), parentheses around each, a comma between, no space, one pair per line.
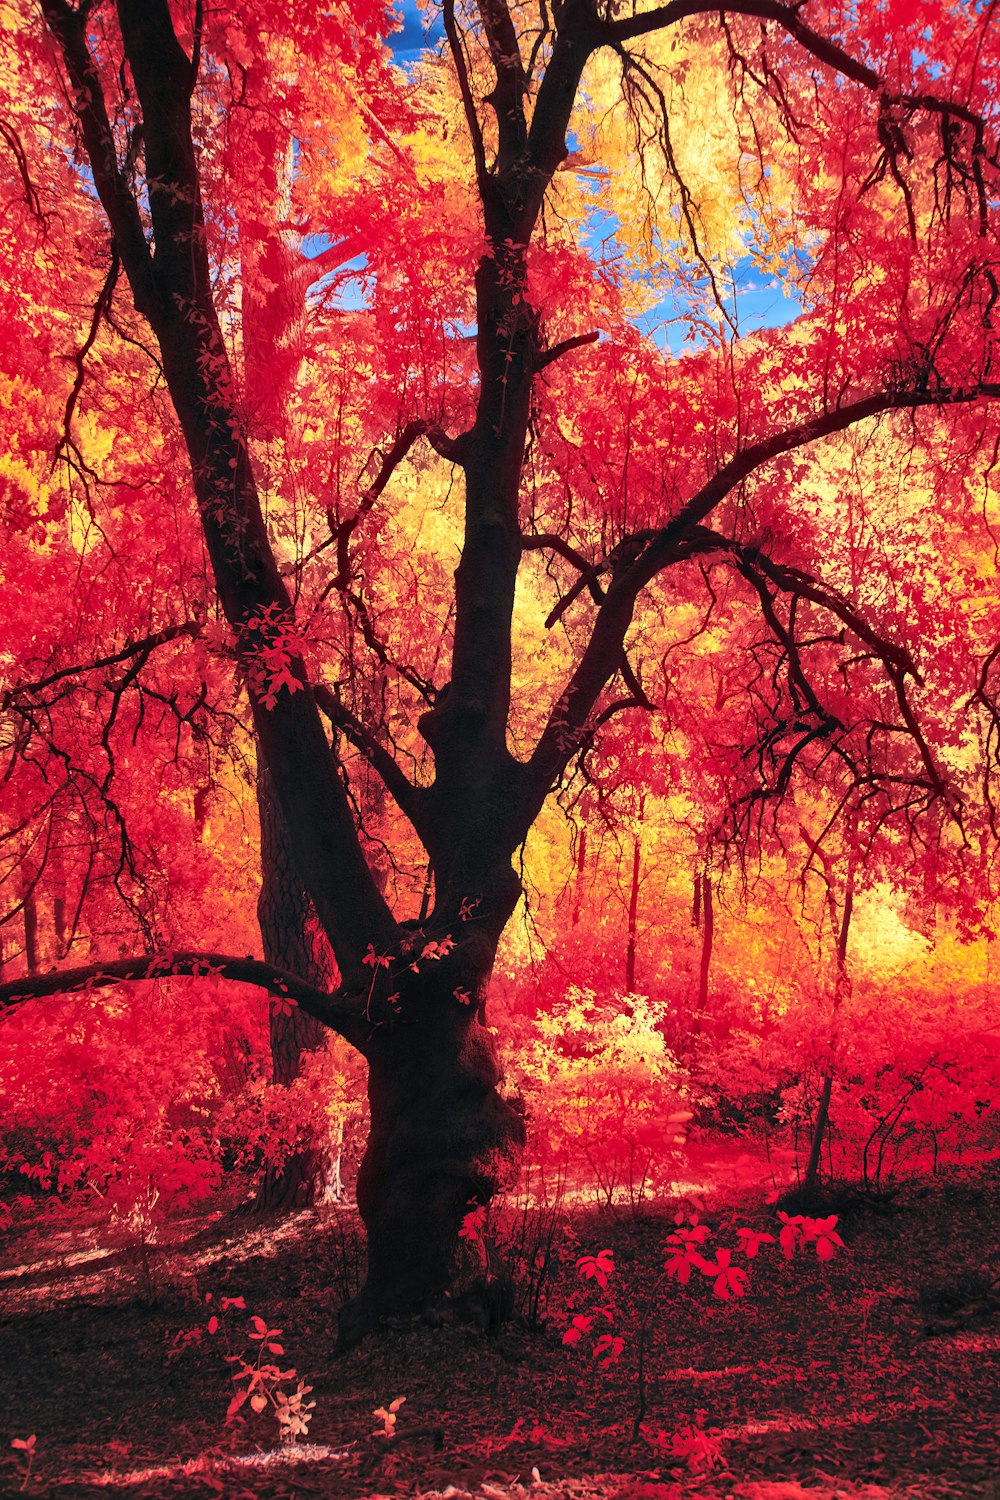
(419,32)
(750,299)
(679,320)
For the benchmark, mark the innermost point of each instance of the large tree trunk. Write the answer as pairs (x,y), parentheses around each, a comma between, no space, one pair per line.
(442,1140)
(283,911)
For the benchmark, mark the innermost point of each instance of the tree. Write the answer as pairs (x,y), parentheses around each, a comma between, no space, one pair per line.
(632,484)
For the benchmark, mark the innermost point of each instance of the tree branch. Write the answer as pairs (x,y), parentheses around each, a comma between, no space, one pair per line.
(192,628)
(660,551)
(684,537)
(589,572)
(450,448)
(465,89)
(578,341)
(309,271)
(102,309)
(68,26)
(12,140)
(832,55)
(793,581)
(787,16)
(344,1016)
(395,780)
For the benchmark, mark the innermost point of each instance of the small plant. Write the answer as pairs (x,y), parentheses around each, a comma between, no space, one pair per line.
(608,1345)
(387,1416)
(697,1446)
(259,1382)
(689,1240)
(688,1250)
(27,1447)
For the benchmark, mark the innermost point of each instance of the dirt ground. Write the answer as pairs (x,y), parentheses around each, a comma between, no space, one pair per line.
(874,1375)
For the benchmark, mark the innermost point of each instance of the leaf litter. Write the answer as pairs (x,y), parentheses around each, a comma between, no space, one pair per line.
(824,1381)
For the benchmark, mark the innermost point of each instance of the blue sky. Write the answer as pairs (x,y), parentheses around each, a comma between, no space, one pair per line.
(760,301)
(411,41)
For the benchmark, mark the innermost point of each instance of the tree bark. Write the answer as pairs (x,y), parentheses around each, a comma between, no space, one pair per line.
(283,911)
(442,1140)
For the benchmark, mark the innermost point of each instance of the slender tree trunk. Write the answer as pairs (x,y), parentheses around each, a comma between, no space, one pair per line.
(841,985)
(56,881)
(703,915)
(633,914)
(30,914)
(811,1178)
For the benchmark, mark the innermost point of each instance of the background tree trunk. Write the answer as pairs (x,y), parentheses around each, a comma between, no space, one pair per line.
(810,1181)
(703,915)
(633,918)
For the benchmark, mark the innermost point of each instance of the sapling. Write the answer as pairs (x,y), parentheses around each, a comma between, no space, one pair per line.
(259,1382)
(687,1251)
(27,1447)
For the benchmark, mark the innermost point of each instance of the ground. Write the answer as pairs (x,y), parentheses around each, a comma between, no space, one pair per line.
(874,1375)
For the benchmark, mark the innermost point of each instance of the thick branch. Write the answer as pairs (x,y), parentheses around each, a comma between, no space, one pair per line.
(309,271)
(556,351)
(602,658)
(787,16)
(550,541)
(472,724)
(684,537)
(343,1016)
(660,551)
(589,572)
(68,26)
(579,34)
(508,93)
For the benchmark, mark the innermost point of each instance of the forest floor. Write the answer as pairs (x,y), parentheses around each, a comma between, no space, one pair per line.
(874,1375)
